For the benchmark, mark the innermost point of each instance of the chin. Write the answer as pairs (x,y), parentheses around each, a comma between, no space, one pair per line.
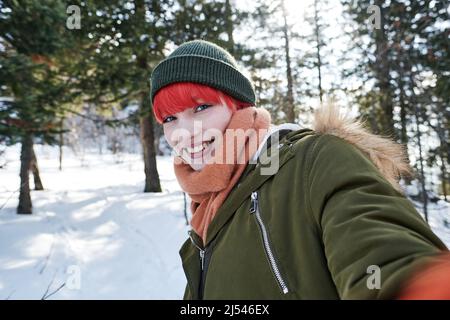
(197,167)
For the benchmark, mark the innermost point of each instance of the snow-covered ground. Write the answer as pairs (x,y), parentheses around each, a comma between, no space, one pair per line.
(438,212)
(95,235)
(93,231)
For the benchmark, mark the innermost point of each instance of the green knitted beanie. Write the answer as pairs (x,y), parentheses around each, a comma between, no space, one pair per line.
(206,63)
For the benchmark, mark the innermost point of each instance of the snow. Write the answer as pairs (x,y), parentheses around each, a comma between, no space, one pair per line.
(438,211)
(93,231)
(95,235)
(439,219)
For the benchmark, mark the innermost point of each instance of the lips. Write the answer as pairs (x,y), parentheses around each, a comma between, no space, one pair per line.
(197,151)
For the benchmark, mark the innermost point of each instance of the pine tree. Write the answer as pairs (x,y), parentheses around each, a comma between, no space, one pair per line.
(315,58)
(123,40)
(271,60)
(408,59)
(33,35)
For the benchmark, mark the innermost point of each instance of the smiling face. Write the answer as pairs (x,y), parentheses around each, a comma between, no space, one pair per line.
(191,132)
(194,117)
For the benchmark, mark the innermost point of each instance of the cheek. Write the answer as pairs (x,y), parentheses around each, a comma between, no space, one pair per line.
(219,124)
(168,134)
(221,121)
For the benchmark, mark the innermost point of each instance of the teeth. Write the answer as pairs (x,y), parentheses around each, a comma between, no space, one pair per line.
(195,149)
(198,148)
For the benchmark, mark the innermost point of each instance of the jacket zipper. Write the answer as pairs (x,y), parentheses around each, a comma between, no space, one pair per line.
(254,208)
(200,250)
(202,254)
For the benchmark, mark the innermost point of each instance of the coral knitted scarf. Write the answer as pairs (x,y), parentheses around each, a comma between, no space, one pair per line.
(209,187)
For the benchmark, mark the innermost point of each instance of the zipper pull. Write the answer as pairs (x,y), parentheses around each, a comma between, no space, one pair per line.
(202,258)
(254,202)
(200,250)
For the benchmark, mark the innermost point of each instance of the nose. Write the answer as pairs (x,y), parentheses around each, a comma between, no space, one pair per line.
(188,134)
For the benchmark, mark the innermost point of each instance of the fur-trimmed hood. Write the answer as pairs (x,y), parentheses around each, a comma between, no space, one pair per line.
(388,155)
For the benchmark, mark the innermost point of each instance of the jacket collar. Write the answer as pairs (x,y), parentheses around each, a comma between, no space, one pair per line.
(272,130)
(252,178)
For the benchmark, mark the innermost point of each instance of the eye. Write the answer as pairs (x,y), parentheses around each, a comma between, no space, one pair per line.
(168,119)
(202,107)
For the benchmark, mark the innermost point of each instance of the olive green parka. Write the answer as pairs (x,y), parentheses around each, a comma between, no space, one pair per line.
(330,223)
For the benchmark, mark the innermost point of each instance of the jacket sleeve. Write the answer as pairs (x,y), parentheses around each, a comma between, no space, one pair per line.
(370,231)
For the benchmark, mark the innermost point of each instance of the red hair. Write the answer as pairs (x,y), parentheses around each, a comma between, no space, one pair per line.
(180,96)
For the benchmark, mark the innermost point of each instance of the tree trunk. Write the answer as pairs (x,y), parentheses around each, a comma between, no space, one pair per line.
(147,135)
(422,172)
(382,72)
(289,107)
(319,60)
(229,26)
(444,179)
(35,170)
(443,147)
(25,206)
(152,183)
(404,141)
(403,113)
(61,143)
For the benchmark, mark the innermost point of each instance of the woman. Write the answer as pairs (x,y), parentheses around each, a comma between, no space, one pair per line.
(289,212)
